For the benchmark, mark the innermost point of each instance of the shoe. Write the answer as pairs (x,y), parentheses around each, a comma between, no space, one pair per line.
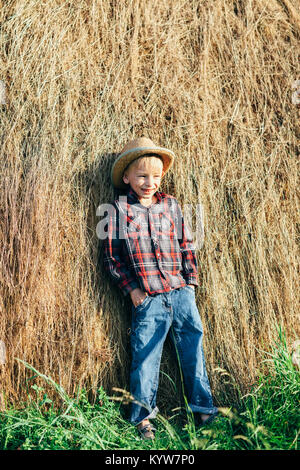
(147,432)
(209,420)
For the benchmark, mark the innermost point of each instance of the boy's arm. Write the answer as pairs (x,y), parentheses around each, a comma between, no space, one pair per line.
(113,260)
(187,248)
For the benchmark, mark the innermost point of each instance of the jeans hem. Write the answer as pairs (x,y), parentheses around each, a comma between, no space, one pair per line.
(151,415)
(203,409)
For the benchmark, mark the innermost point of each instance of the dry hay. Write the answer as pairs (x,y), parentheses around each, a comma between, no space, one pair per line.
(212,80)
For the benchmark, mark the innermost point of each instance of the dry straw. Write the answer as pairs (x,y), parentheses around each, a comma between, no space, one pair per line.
(2,92)
(209,79)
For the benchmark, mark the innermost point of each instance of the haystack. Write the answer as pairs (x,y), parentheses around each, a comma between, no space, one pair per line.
(210,79)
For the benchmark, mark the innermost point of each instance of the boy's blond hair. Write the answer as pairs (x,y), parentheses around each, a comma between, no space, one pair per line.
(146,160)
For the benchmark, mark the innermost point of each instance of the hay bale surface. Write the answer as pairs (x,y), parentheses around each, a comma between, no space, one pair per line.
(212,80)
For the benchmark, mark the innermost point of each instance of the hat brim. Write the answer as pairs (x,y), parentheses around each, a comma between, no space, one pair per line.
(127,157)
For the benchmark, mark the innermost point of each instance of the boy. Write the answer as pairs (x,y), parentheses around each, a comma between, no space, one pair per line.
(150,255)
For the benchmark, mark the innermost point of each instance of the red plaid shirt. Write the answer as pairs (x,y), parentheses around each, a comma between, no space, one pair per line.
(149,247)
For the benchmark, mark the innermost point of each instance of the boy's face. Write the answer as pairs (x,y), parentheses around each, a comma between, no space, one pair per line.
(144,176)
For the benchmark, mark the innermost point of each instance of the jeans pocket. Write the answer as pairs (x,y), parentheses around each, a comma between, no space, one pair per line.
(143,304)
(190,288)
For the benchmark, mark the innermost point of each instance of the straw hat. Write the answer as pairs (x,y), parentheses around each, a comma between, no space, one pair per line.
(134,149)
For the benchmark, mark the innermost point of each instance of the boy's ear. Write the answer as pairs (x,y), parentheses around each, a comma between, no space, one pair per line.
(125,178)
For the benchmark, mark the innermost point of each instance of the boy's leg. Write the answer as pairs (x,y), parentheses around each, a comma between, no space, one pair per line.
(150,325)
(187,336)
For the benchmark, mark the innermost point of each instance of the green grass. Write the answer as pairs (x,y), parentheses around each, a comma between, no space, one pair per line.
(265,419)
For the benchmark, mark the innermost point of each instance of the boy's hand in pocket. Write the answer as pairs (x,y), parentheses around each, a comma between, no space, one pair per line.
(137,296)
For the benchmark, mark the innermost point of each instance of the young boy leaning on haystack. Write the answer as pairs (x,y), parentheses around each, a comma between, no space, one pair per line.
(149,254)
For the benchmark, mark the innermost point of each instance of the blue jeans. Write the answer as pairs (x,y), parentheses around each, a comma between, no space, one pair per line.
(151,322)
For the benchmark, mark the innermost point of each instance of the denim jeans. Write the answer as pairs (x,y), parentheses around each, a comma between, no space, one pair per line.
(151,321)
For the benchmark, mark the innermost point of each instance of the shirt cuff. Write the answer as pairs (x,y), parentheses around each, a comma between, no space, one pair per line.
(191,279)
(128,285)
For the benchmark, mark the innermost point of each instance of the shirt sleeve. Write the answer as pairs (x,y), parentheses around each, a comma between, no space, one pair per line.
(114,262)
(187,248)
